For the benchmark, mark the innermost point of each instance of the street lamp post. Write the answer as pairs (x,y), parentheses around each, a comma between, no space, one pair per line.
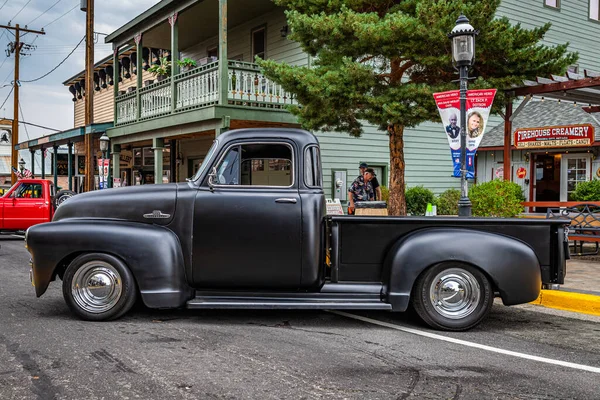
(463,54)
(103,148)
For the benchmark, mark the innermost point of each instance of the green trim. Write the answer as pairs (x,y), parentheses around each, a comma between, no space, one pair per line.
(174,63)
(148,19)
(65,136)
(223,61)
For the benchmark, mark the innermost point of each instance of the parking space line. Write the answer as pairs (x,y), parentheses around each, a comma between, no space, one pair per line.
(469,344)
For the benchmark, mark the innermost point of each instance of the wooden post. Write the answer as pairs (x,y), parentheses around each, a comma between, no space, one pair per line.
(70,165)
(55,164)
(223,67)
(158,145)
(140,72)
(14,153)
(174,58)
(89,93)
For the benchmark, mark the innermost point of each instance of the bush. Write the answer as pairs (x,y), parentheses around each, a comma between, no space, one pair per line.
(417,198)
(447,203)
(385,193)
(497,198)
(587,191)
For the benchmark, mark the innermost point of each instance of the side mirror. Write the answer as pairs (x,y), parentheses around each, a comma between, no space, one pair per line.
(211,178)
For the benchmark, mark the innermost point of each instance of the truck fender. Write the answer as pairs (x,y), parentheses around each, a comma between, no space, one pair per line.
(152,253)
(511,265)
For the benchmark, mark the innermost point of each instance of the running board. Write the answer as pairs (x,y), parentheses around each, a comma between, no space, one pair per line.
(289,303)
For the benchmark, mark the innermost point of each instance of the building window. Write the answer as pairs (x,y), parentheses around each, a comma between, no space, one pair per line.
(259,41)
(552,3)
(573,68)
(213,52)
(595,10)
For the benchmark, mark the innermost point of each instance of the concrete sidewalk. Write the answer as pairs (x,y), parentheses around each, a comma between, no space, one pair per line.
(581,290)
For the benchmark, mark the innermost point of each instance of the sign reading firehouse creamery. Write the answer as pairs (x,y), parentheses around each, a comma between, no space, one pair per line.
(554,136)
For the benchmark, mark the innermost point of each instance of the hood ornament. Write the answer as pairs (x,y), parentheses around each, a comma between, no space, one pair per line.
(157,214)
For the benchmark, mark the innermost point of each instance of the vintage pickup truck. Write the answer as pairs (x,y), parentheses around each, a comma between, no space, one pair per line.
(29,202)
(250,230)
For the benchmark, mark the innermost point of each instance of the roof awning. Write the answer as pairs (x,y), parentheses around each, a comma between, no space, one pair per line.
(60,138)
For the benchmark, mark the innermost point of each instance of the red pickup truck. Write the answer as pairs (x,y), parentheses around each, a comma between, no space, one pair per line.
(29,202)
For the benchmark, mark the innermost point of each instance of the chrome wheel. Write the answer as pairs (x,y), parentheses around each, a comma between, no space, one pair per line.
(96,287)
(454,293)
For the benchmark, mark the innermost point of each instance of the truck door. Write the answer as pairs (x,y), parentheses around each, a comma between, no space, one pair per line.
(247,231)
(25,206)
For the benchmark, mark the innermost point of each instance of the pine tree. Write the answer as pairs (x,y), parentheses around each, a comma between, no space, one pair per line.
(381,60)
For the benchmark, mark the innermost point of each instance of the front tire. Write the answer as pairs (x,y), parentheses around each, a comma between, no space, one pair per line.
(99,287)
(452,296)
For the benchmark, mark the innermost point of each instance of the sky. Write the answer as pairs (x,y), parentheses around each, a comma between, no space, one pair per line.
(47,102)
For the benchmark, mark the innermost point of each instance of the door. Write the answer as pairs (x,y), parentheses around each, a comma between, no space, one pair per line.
(247,230)
(575,168)
(25,206)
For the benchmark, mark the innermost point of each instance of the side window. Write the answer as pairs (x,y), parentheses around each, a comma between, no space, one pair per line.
(266,164)
(258,43)
(28,191)
(312,167)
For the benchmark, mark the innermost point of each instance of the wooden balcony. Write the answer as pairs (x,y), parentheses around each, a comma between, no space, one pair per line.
(199,88)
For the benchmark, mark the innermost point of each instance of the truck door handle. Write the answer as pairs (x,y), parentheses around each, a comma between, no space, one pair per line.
(286,200)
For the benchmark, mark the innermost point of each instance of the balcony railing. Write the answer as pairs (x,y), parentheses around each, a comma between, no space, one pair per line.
(197,88)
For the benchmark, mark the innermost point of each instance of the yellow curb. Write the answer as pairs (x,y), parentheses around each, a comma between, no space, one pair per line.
(569,301)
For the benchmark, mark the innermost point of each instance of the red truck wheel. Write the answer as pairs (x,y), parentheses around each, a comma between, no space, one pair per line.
(99,287)
(62,196)
(452,296)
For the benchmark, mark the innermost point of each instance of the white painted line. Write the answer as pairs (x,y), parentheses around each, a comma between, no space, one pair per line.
(470,344)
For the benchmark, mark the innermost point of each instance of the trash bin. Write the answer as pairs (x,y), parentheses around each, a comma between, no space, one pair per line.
(370,208)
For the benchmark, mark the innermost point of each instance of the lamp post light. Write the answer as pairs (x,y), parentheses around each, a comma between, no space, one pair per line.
(103,148)
(463,54)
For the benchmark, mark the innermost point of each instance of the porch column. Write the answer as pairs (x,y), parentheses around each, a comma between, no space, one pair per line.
(174,58)
(55,164)
(116,160)
(158,145)
(173,160)
(507,139)
(70,165)
(139,74)
(43,162)
(223,67)
(32,151)
(115,79)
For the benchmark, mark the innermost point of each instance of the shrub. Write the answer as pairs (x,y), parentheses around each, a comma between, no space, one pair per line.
(497,198)
(385,193)
(417,198)
(587,191)
(447,203)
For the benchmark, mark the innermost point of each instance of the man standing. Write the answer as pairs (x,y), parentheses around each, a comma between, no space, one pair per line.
(453,130)
(361,189)
(374,182)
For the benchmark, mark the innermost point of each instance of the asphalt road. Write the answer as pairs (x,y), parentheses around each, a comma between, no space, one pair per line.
(46,353)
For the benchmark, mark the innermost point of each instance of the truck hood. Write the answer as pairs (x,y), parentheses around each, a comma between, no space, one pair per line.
(151,204)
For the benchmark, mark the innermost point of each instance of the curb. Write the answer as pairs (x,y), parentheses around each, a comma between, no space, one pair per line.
(569,301)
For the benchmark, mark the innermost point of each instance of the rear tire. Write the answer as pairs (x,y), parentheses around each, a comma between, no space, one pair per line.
(62,196)
(452,296)
(99,287)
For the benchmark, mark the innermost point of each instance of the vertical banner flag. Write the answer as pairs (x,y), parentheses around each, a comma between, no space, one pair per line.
(479,103)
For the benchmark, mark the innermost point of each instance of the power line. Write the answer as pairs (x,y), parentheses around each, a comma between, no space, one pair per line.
(50,23)
(39,126)
(22,8)
(59,64)
(22,119)
(9,93)
(50,8)
(1,7)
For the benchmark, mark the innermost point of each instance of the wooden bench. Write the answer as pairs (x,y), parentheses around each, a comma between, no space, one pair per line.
(584,225)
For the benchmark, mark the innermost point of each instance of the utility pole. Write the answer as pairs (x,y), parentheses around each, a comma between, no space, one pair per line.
(16,48)
(89,93)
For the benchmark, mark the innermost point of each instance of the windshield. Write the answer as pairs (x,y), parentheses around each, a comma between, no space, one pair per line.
(206,161)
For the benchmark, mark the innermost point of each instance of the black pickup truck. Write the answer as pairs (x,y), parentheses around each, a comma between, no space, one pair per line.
(250,230)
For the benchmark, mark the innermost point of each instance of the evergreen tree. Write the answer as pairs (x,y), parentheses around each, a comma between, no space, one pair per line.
(381,60)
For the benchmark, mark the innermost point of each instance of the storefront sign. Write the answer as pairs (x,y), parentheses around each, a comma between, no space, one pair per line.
(554,136)
(334,207)
(479,103)
(103,168)
(499,173)
(521,173)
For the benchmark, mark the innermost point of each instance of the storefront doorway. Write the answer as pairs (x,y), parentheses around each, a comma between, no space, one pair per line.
(547,178)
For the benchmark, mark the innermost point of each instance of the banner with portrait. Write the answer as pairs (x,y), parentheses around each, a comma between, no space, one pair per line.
(479,103)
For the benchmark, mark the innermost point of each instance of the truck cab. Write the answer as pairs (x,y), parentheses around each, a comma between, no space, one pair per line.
(28,202)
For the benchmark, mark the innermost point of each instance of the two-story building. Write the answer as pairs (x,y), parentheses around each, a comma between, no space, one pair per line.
(164,125)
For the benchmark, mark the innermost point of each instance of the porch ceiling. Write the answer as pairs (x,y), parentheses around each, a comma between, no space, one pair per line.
(197,22)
